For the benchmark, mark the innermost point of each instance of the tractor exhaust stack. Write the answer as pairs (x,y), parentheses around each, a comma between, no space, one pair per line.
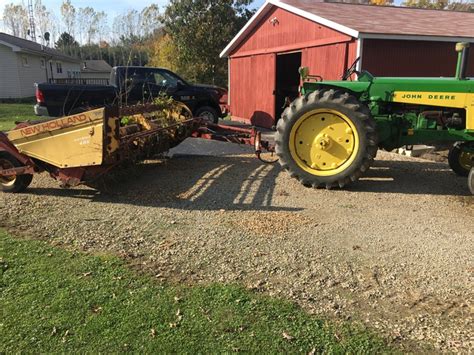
(463,57)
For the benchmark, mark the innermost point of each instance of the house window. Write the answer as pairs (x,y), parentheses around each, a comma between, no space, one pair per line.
(43,63)
(24,61)
(73,74)
(59,68)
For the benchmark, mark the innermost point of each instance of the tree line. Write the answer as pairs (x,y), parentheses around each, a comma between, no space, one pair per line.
(186,36)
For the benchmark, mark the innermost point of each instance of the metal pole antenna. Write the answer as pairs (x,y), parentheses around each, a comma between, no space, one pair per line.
(31,20)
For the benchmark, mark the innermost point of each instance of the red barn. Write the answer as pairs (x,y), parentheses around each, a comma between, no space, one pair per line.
(327,37)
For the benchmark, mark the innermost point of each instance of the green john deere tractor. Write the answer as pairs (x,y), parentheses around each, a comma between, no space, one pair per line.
(329,136)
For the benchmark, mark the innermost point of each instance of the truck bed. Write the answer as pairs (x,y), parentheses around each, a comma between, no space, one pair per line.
(62,99)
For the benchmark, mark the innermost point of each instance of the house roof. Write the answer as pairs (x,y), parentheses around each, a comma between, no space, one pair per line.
(96,66)
(369,21)
(23,45)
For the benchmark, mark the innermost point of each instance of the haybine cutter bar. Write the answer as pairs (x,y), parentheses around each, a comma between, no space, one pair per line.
(81,148)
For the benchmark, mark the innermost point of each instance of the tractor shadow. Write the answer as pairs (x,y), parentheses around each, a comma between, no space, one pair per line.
(199,183)
(412,177)
(187,182)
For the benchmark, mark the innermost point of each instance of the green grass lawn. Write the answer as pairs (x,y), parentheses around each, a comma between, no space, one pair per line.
(54,300)
(9,113)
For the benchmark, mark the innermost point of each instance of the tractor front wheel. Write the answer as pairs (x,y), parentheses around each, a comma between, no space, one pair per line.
(326,138)
(16,183)
(461,158)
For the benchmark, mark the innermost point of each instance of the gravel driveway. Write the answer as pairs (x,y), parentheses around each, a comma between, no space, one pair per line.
(394,251)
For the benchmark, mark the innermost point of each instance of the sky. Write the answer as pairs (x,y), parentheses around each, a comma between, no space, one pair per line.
(113,7)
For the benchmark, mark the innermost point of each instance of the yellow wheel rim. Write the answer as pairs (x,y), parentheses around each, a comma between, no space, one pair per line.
(6,180)
(466,160)
(324,142)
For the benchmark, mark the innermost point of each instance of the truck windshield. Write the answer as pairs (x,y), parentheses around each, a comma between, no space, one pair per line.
(166,79)
(149,76)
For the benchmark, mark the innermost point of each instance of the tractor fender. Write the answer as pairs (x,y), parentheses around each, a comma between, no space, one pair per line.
(354,88)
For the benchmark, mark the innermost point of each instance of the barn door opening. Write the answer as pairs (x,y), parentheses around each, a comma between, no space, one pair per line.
(287,80)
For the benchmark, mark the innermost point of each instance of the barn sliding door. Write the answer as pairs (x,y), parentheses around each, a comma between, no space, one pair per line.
(252,85)
(328,61)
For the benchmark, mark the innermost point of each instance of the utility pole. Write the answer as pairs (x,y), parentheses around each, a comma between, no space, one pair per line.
(31,19)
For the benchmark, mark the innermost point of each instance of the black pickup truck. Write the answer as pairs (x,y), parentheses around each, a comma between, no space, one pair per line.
(130,85)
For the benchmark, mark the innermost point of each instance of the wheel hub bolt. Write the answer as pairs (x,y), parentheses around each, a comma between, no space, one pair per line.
(323,142)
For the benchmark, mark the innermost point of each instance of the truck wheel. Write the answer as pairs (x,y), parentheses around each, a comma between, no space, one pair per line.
(17,183)
(326,138)
(470,181)
(208,113)
(461,158)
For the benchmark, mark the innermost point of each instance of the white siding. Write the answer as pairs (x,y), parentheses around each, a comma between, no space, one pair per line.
(9,81)
(20,71)
(29,74)
(67,66)
(95,75)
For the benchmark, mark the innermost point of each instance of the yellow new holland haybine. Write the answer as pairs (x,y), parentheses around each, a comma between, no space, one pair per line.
(81,148)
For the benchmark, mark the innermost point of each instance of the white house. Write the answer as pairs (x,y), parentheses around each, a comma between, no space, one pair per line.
(95,69)
(24,63)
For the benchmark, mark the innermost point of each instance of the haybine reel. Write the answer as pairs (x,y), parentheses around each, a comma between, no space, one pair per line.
(82,148)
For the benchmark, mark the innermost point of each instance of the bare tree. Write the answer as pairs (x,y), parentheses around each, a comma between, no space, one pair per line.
(150,19)
(54,28)
(101,26)
(127,24)
(15,18)
(68,13)
(132,23)
(43,19)
(88,22)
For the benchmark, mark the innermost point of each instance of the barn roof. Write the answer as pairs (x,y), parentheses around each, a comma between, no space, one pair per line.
(24,45)
(368,21)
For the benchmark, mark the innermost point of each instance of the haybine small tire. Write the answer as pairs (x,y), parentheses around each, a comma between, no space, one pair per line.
(460,160)
(18,183)
(353,131)
(470,181)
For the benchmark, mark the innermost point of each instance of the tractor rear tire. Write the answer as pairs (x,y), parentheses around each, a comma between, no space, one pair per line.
(460,160)
(13,184)
(326,139)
